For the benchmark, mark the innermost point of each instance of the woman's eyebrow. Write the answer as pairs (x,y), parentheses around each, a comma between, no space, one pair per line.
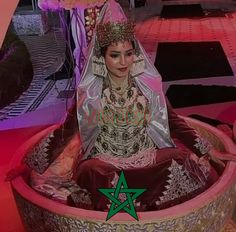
(125,51)
(115,52)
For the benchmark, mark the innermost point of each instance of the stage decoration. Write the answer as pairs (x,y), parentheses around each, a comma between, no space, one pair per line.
(52,5)
(209,211)
(90,16)
(77,25)
(16,71)
(68,4)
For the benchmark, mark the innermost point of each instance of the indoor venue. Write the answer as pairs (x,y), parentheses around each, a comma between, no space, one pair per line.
(51,83)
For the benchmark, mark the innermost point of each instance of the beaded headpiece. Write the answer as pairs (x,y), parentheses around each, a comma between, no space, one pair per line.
(113,32)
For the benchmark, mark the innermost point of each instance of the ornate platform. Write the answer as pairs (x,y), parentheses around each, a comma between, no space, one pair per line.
(209,211)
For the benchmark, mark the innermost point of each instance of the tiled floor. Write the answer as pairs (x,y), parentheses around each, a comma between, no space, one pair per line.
(150,29)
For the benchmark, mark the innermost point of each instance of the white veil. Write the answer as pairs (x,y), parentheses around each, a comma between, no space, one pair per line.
(90,89)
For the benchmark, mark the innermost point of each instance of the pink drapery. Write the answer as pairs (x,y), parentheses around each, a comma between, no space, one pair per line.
(68,4)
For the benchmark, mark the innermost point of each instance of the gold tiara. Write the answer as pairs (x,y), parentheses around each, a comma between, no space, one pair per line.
(109,33)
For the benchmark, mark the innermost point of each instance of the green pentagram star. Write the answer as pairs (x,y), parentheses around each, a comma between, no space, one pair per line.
(117,205)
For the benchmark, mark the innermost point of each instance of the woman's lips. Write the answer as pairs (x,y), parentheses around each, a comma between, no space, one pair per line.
(122,69)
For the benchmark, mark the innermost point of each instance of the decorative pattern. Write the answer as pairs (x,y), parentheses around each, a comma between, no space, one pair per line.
(202,145)
(47,55)
(81,198)
(37,159)
(180,183)
(123,127)
(90,18)
(110,32)
(209,218)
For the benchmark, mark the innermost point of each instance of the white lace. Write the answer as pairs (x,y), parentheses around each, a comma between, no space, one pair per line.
(202,145)
(141,159)
(180,183)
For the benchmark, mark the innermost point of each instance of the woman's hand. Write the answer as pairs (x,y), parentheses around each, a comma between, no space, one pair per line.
(218,156)
(15,172)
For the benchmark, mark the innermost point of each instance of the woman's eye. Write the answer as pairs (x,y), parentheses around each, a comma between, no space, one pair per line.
(114,55)
(130,53)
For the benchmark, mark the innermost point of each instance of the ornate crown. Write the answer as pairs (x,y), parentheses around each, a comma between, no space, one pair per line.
(110,32)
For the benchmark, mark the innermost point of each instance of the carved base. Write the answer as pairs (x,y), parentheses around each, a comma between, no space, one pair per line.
(211,217)
(210,211)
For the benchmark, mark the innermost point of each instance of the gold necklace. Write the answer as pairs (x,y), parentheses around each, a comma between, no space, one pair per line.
(121,99)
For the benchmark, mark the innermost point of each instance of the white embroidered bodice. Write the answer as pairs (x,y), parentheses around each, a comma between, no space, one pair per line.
(123,123)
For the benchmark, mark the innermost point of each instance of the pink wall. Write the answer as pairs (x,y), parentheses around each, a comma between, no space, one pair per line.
(7,9)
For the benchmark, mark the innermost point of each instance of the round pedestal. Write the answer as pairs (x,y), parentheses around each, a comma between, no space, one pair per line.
(209,211)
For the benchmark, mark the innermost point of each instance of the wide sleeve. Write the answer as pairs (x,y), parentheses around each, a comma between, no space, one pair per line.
(187,135)
(51,146)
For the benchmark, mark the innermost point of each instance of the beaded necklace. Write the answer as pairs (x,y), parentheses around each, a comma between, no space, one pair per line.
(124,91)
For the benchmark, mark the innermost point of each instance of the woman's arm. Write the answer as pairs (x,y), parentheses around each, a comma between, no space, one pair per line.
(52,145)
(186,134)
(47,149)
(200,146)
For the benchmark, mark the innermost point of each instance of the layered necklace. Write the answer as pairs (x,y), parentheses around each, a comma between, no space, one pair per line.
(120,93)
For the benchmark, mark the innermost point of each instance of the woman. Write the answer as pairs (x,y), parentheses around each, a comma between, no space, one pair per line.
(125,124)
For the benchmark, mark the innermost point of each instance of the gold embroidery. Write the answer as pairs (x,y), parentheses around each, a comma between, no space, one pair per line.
(202,145)
(194,221)
(180,183)
(37,159)
(123,128)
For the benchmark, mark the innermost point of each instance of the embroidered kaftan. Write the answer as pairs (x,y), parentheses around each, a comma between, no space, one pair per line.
(171,175)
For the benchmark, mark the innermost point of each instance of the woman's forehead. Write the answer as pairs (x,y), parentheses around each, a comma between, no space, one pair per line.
(120,46)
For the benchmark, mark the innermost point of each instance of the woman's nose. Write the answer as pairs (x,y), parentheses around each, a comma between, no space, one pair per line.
(122,60)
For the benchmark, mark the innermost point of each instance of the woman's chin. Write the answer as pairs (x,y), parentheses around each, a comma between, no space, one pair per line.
(122,75)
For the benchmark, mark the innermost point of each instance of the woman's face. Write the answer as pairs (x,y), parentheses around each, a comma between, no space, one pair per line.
(119,58)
